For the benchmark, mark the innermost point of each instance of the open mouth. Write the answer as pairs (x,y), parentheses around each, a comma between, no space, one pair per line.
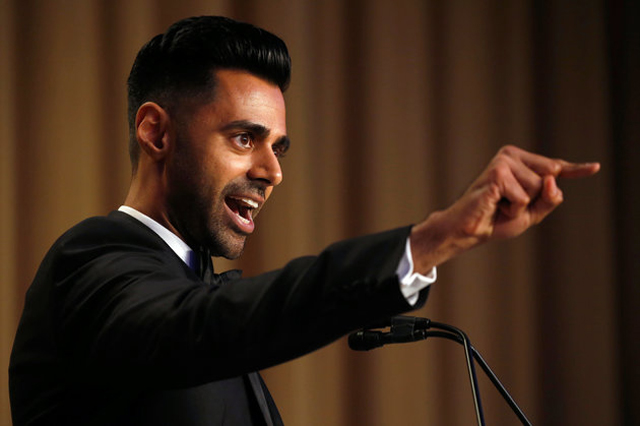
(242,210)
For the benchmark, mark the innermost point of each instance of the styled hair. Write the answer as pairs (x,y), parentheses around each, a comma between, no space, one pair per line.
(181,63)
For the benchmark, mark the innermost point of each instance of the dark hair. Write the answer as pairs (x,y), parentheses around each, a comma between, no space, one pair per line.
(181,63)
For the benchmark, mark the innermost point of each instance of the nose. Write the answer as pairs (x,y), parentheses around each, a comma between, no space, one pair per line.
(265,166)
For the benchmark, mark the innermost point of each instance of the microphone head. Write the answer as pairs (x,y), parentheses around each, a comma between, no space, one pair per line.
(365,340)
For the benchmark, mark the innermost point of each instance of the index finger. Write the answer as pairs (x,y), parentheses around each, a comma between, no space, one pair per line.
(557,167)
(577,170)
(540,164)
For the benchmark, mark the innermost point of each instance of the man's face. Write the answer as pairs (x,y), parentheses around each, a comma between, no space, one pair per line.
(225,163)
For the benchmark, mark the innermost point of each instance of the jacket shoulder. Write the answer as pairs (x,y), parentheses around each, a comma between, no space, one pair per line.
(111,228)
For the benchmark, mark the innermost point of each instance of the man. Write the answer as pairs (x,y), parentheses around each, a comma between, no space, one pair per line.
(125,323)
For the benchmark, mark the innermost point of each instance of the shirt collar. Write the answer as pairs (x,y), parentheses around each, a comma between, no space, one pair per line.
(181,249)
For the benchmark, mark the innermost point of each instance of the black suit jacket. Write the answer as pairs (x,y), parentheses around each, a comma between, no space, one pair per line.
(116,329)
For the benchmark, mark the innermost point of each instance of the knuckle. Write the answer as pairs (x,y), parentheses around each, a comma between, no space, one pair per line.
(508,150)
(500,171)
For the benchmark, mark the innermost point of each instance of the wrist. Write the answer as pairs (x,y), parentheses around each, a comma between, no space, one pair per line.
(434,241)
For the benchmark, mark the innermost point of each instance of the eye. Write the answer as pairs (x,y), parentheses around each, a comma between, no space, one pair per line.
(281,147)
(243,140)
(279,150)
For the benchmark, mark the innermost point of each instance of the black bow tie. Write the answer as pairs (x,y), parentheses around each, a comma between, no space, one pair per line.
(206,270)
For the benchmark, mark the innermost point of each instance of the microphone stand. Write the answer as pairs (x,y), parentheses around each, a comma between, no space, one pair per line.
(492,376)
(468,353)
(409,329)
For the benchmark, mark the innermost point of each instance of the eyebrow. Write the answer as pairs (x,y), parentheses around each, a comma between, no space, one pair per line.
(259,131)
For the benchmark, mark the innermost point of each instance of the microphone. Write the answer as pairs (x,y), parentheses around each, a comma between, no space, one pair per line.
(403,330)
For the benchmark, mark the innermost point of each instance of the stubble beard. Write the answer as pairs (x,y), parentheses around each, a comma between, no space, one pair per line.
(203,223)
(198,211)
(223,241)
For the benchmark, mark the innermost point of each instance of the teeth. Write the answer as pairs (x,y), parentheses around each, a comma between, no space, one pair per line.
(247,207)
(252,203)
(248,202)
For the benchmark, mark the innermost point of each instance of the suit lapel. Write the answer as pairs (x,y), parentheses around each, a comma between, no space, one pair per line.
(254,379)
(256,384)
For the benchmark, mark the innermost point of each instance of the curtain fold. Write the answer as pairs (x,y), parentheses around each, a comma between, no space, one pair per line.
(394,108)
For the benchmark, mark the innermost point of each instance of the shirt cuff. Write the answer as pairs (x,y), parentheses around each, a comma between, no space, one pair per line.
(412,282)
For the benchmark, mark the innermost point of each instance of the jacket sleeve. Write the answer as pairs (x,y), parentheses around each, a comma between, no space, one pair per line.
(128,310)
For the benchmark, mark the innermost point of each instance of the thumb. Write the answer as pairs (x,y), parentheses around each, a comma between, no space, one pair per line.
(550,197)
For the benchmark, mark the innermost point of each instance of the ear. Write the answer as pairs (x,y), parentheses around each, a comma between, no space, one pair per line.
(152,125)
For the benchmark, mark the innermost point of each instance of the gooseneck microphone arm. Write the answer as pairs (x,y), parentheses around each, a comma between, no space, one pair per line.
(410,329)
(492,376)
(468,353)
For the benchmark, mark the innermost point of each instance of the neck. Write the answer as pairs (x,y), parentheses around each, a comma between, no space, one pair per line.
(148,196)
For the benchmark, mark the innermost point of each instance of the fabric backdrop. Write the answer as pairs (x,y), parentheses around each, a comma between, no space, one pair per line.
(394,107)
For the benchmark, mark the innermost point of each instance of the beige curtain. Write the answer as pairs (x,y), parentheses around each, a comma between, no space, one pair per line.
(394,107)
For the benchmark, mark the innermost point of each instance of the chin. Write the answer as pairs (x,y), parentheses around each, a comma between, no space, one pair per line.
(233,254)
(230,248)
